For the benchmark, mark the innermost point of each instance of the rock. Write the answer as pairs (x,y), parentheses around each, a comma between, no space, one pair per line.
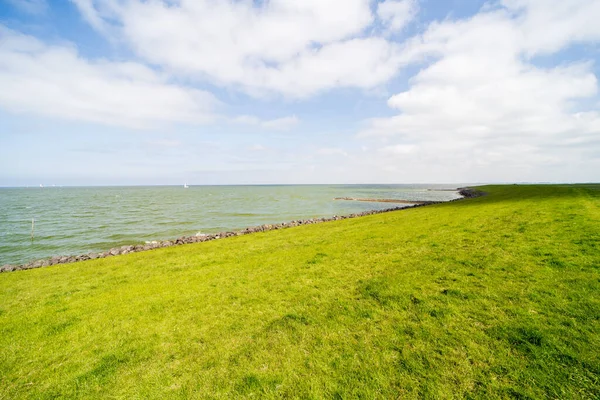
(7,268)
(93,256)
(469,193)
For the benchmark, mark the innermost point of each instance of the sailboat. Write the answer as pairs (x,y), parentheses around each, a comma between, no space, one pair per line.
(185,186)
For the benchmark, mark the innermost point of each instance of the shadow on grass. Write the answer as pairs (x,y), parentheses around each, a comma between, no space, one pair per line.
(253,384)
(106,368)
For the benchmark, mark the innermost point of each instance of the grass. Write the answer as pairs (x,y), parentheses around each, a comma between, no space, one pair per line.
(493,298)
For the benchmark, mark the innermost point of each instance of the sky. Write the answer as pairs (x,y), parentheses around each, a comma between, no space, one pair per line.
(151,92)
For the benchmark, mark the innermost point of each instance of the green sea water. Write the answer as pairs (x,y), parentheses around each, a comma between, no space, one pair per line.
(79,220)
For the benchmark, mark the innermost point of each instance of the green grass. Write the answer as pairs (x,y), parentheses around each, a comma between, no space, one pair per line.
(493,297)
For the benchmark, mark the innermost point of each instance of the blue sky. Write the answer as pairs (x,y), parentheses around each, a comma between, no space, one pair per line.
(104,92)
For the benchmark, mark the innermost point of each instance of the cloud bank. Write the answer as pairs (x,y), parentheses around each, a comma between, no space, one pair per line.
(54,81)
(508,93)
(485,101)
(294,48)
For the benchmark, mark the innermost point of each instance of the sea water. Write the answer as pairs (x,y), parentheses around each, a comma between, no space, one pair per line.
(79,220)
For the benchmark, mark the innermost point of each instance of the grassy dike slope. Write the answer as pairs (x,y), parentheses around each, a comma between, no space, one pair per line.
(493,297)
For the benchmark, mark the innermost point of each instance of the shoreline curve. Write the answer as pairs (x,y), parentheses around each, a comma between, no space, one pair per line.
(466,193)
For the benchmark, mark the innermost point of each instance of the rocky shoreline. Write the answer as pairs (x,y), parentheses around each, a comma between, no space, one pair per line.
(464,192)
(421,203)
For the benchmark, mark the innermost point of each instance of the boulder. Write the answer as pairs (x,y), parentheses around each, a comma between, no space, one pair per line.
(126,249)
(7,268)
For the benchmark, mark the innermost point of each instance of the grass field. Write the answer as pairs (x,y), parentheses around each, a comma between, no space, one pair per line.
(493,297)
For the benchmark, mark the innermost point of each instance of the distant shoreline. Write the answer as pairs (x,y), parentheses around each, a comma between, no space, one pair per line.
(56,260)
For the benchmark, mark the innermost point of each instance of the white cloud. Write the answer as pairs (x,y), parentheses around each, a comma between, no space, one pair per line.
(55,81)
(284,123)
(91,14)
(294,48)
(257,148)
(396,14)
(246,120)
(482,102)
(548,26)
(332,151)
(280,124)
(164,143)
(398,149)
